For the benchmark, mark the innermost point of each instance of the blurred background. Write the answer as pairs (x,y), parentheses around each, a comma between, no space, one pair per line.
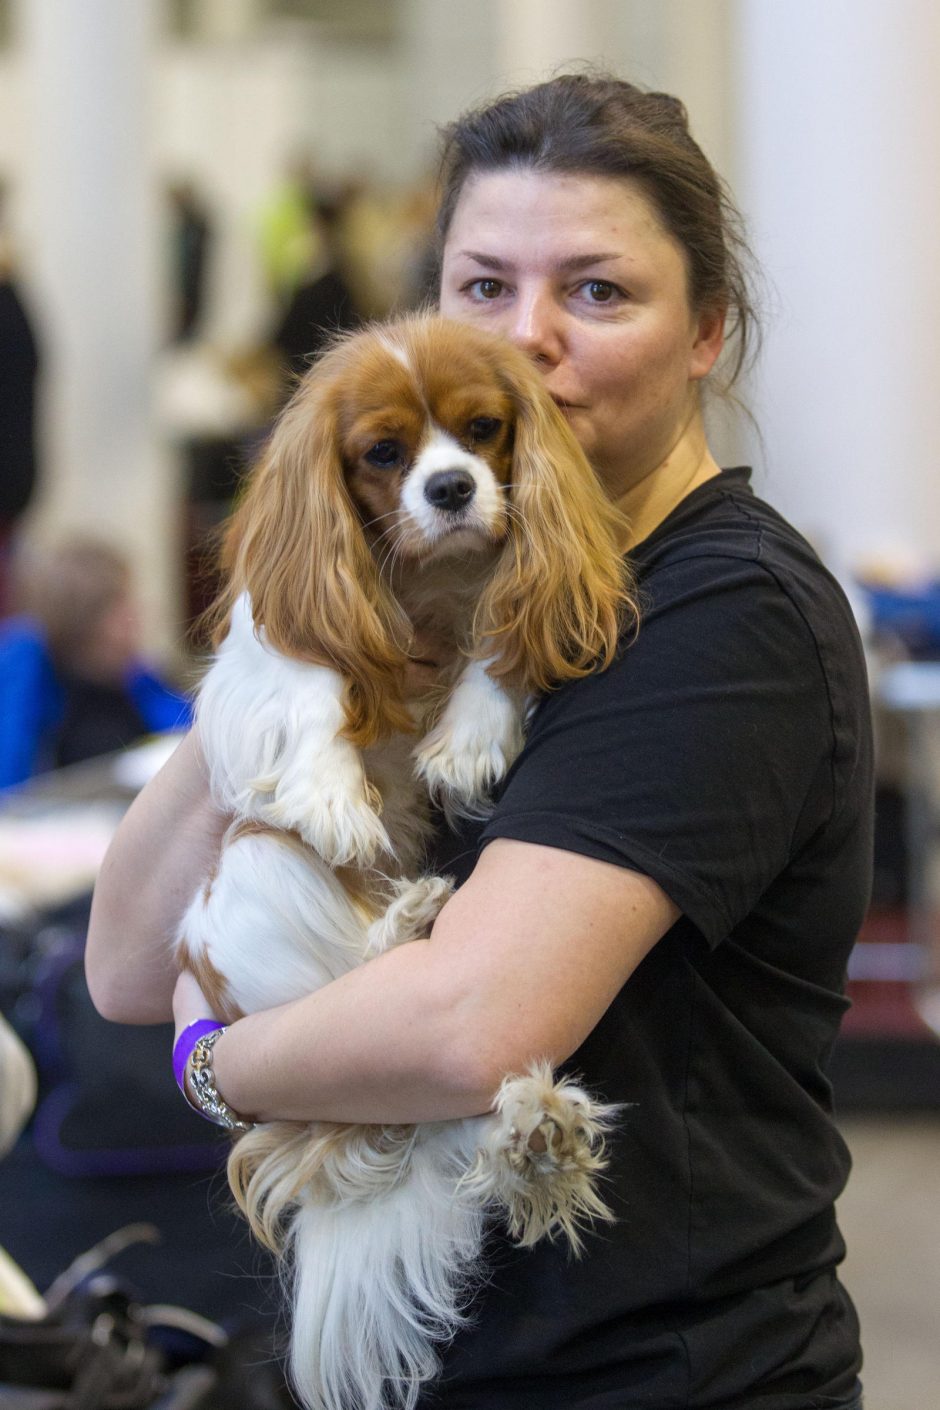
(189,189)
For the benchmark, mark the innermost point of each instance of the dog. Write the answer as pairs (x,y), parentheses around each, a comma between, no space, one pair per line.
(420,483)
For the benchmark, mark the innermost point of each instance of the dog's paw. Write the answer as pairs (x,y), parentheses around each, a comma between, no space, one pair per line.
(333,807)
(473,743)
(462,758)
(461,765)
(543,1156)
(411,913)
(544,1127)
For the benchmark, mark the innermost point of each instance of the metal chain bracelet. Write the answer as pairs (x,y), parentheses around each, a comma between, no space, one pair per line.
(201,1087)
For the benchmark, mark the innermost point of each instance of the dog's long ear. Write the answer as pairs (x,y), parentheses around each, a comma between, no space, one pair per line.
(296,545)
(562,592)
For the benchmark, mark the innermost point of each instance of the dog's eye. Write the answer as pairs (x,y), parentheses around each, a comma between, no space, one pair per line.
(385,454)
(484,428)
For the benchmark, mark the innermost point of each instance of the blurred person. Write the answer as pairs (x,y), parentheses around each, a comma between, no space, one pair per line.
(73,684)
(370,223)
(190,243)
(419,247)
(288,239)
(19,372)
(323,303)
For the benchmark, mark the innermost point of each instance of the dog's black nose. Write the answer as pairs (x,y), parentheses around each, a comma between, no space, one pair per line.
(450,490)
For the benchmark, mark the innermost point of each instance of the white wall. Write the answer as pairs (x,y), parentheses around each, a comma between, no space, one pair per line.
(839,132)
(14,151)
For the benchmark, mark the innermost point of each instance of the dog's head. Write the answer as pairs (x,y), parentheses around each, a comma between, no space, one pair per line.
(411,442)
(426,425)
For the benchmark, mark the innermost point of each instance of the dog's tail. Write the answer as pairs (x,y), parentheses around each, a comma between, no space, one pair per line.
(377,1282)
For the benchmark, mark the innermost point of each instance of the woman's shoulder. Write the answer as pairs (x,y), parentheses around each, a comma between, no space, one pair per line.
(727,552)
(725,518)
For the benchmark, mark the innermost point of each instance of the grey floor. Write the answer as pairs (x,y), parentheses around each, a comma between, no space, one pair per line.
(890,1216)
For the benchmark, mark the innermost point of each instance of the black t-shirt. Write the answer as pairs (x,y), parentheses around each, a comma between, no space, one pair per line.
(727,755)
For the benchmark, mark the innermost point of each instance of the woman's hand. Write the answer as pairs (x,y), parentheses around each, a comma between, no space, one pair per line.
(189,1003)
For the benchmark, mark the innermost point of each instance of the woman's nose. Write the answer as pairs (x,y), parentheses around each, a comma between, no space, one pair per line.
(536,327)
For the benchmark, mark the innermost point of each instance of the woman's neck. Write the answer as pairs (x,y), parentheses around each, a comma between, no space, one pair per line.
(648,502)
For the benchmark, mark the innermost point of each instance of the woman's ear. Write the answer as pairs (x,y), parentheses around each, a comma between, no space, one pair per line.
(562,592)
(299,551)
(709,332)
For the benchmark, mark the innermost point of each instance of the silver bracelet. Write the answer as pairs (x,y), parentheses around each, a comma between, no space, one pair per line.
(201,1087)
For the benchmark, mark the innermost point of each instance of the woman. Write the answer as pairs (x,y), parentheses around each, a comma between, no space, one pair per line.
(676,869)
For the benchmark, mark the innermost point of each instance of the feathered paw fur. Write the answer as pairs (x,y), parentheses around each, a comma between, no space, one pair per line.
(472,745)
(542,1156)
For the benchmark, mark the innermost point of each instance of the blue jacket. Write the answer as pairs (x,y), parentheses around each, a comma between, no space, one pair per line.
(32,702)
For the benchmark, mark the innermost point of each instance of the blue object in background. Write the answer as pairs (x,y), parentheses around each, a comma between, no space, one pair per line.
(33,702)
(912,615)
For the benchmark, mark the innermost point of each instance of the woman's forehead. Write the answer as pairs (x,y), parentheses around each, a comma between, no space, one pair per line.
(571,219)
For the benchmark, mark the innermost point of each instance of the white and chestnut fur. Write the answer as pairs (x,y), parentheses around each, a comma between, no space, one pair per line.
(419,482)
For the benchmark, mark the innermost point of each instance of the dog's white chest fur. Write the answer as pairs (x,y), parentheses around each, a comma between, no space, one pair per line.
(272,733)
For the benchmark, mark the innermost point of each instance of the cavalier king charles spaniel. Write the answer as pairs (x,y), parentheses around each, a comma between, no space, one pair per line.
(420,485)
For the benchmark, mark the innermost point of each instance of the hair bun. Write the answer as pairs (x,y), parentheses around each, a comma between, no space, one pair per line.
(670,108)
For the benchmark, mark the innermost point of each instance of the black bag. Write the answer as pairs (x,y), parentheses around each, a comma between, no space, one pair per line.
(79,1129)
(99,1348)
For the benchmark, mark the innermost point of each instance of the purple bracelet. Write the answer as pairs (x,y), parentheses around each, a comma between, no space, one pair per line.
(183,1047)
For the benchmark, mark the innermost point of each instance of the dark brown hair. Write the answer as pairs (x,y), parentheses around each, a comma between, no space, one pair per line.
(590,124)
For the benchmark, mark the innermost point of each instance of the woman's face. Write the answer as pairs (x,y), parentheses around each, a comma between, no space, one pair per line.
(579,273)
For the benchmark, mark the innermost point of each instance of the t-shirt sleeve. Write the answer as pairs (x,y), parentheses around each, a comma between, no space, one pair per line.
(699,758)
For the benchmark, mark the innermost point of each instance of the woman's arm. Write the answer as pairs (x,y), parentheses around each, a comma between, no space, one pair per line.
(167,843)
(521,964)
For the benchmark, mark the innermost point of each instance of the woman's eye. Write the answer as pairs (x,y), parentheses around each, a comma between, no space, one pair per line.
(384,454)
(484,428)
(599,291)
(485,288)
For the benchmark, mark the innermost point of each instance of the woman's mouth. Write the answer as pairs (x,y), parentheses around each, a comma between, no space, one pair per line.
(566,407)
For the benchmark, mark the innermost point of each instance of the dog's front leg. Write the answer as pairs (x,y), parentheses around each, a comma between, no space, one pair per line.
(414,908)
(478,735)
(318,785)
(271,727)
